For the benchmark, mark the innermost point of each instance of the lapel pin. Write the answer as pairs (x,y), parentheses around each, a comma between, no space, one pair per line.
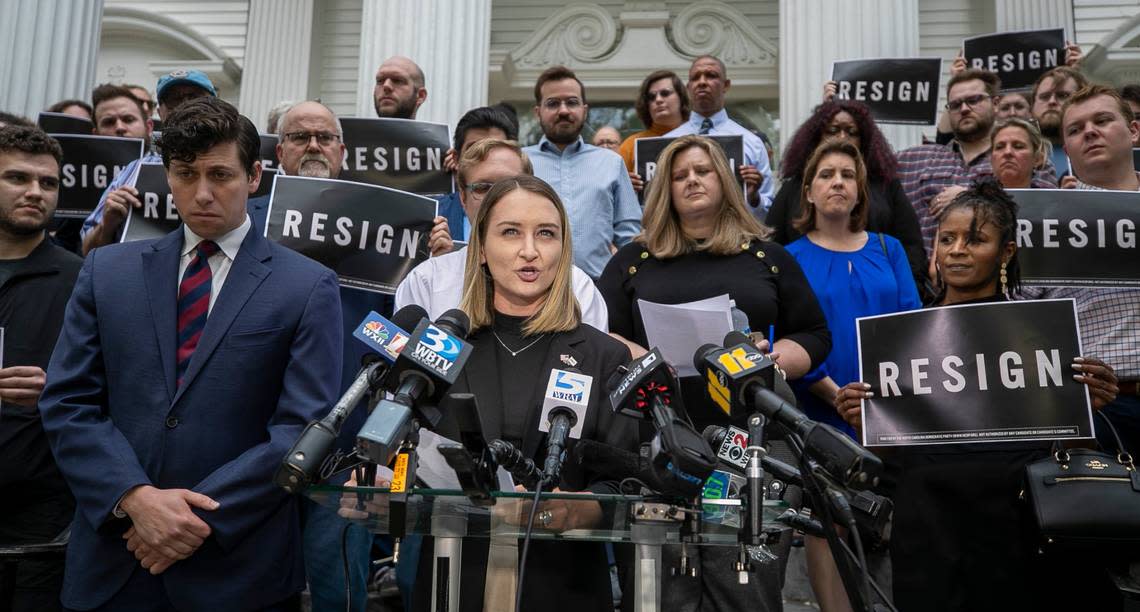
(569,360)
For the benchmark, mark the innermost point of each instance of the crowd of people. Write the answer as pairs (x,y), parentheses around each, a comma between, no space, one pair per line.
(145,410)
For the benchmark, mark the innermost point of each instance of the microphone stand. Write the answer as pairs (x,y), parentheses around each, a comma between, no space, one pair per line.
(753,532)
(849,565)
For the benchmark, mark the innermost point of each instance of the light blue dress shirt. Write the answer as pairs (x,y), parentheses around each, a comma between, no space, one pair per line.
(594,186)
(754,152)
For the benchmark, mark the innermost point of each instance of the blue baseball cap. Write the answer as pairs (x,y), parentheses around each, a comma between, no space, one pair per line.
(196,78)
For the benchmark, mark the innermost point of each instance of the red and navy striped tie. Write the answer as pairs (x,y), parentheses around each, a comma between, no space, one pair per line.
(194,303)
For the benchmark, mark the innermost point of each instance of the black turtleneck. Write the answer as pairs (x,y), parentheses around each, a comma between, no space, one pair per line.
(519,373)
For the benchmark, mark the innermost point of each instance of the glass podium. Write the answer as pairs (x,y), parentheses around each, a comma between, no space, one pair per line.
(450,516)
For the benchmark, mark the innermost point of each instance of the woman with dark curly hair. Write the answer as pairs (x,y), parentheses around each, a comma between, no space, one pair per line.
(890,213)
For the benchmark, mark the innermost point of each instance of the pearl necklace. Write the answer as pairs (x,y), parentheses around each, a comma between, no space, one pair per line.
(513,352)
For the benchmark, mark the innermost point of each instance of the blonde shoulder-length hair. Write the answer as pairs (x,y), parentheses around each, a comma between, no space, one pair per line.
(559,312)
(661,226)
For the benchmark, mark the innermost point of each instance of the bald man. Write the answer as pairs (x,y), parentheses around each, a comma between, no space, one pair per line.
(400,89)
(607,138)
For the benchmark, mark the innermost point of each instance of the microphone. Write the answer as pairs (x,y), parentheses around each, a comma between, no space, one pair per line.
(730,444)
(428,365)
(387,338)
(677,453)
(563,415)
(472,460)
(852,465)
(620,464)
(743,379)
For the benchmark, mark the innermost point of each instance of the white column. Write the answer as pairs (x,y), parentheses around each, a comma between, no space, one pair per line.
(47,52)
(278,46)
(815,33)
(449,39)
(1013,15)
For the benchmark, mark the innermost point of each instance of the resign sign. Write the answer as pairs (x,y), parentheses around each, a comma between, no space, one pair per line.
(991,372)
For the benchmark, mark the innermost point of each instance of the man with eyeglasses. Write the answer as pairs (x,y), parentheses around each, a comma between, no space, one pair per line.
(105,224)
(1050,93)
(607,137)
(437,284)
(592,182)
(934,174)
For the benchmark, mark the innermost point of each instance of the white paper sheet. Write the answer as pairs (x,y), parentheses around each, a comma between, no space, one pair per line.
(678,330)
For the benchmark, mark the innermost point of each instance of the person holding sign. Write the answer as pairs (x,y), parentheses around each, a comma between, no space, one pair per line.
(700,241)
(959,542)
(662,104)
(1099,128)
(186,368)
(105,224)
(890,211)
(708,88)
(854,273)
(933,174)
(1050,93)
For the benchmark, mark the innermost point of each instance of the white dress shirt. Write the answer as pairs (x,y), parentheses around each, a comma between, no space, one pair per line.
(437,285)
(220,262)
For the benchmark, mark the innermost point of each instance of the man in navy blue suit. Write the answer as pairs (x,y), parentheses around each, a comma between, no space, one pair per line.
(185,369)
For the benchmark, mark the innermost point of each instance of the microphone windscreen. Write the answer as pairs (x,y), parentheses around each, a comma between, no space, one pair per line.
(735,337)
(457,320)
(408,317)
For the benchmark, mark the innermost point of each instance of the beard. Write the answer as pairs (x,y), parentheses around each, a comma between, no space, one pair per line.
(562,132)
(1050,124)
(314,165)
(22,228)
(405,109)
(980,129)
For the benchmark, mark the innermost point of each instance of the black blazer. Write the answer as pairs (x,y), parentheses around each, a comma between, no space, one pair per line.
(570,576)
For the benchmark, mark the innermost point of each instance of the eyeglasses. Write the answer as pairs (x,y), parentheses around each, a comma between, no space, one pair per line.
(301,139)
(553,104)
(479,189)
(1059,95)
(971,101)
(662,93)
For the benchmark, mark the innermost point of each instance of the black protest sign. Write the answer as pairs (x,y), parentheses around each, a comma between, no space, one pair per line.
(1078,238)
(268,165)
(991,372)
(60,123)
(90,163)
(1136,159)
(370,236)
(647,150)
(397,153)
(897,90)
(158,216)
(1017,57)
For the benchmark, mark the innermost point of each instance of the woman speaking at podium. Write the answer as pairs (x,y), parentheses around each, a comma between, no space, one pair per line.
(526,322)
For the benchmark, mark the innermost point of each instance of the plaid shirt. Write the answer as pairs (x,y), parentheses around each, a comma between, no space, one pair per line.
(926,170)
(1109,320)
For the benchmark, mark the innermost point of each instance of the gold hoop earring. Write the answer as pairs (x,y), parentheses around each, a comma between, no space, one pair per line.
(1004,279)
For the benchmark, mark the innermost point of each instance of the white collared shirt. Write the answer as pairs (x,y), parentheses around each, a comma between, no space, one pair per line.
(437,285)
(220,262)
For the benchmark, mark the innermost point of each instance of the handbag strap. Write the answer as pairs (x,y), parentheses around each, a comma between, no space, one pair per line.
(1122,454)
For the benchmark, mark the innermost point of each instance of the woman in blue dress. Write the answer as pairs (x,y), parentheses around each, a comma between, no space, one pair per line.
(854,273)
